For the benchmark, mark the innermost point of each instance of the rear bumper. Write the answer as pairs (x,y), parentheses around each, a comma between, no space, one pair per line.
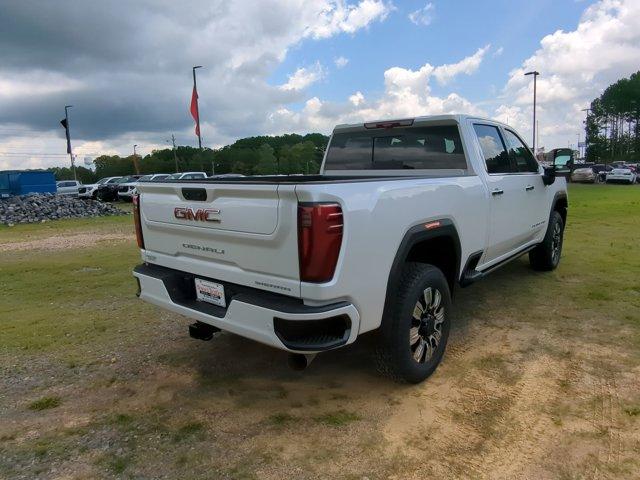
(273,319)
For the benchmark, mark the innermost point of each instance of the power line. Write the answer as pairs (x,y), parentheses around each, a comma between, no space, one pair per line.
(34,154)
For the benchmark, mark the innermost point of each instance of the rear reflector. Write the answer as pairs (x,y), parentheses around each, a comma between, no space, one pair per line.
(390,123)
(319,240)
(136,221)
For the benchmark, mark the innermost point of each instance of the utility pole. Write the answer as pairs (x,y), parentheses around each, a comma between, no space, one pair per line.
(175,157)
(635,128)
(135,160)
(68,133)
(535,76)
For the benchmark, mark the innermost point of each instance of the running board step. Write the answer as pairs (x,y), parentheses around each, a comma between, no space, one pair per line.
(471,276)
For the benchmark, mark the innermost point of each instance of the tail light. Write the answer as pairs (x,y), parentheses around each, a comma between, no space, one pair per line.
(136,221)
(319,240)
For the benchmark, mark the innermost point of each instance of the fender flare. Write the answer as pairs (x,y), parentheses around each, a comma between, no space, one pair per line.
(413,236)
(561,195)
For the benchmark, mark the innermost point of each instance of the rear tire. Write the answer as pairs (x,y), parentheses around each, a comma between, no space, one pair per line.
(546,256)
(414,334)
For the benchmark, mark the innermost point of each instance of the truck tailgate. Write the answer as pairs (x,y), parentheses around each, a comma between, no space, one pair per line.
(239,233)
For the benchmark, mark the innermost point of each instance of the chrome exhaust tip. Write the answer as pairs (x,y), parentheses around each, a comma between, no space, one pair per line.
(300,361)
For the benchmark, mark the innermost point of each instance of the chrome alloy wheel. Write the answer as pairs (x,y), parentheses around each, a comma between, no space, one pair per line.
(426,325)
(556,242)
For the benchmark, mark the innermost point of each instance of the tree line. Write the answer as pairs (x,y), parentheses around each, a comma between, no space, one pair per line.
(262,155)
(612,123)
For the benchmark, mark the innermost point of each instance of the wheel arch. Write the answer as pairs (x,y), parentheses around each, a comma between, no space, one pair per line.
(560,205)
(438,246)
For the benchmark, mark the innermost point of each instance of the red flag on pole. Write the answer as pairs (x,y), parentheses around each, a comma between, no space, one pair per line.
(194,110)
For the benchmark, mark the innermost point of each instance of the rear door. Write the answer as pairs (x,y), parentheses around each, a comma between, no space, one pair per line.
(508,224)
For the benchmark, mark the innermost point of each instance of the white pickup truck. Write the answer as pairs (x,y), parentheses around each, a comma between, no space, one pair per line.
(401,212)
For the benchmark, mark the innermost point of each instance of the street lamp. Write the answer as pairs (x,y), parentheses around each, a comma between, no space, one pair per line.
(535,75)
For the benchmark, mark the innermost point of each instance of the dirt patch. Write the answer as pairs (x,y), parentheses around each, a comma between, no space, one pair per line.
(62,242)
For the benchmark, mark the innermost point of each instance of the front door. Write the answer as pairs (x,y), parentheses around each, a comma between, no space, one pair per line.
(508,227)
(526,167)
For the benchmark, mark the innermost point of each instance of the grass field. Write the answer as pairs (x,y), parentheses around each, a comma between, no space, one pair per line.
(541,378)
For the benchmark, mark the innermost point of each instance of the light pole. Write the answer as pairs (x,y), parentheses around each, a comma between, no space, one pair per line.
(135,160)
(535,76)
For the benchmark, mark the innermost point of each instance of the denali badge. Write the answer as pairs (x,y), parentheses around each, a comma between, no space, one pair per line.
(201,214)
(203,248)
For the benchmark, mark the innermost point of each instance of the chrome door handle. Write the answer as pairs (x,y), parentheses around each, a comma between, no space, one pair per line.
(528,188)
(497,191)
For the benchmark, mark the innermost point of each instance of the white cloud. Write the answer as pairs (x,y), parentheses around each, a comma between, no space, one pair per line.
(341,62)
(424,15)
(498,51)
(468,65)
(407,93)
(120,100)
(337,17)
(303,77)
(356,99)
(575,67)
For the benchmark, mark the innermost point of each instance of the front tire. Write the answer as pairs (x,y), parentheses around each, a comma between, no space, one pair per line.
(414,334)
(546,256)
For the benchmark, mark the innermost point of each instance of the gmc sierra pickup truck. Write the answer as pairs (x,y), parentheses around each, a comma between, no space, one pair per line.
(401,212)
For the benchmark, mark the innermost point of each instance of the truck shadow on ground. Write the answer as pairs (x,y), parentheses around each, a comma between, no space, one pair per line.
(230,359)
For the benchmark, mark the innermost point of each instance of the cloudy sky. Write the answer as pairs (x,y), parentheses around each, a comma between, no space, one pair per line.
(276,66)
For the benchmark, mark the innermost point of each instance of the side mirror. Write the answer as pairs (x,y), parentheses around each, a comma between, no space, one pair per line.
(549,175)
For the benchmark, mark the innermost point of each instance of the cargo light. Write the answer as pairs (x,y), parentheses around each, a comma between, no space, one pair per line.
(136,221)
(320,228)
(390,123)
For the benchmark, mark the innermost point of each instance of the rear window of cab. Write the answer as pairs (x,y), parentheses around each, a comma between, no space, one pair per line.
(412,148)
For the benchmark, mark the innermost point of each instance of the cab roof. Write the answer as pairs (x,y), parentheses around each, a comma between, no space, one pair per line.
(397,122)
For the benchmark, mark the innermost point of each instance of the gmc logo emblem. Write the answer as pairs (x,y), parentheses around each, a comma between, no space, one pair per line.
(201,214)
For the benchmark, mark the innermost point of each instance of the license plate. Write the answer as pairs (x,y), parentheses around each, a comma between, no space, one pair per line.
(210,292)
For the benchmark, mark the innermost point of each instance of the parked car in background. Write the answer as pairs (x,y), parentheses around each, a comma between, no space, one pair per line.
(622,175)
(127,191)
(583,174)
(226,175)
(108,192)
(154,177)
(68,187)
(187,176)
(89,191)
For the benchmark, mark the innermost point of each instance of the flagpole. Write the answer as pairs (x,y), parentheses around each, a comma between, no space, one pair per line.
(195,88)
(68,132)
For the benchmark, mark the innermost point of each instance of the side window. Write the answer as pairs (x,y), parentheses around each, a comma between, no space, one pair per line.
(493,149)
(521,156)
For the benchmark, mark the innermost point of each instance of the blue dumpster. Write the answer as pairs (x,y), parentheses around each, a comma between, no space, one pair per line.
(15,182)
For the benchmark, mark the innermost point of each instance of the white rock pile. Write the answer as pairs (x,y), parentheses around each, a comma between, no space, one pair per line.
(45,207)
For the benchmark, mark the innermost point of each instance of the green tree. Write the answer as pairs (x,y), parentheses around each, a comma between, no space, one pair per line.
(267,162)
(612,124)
